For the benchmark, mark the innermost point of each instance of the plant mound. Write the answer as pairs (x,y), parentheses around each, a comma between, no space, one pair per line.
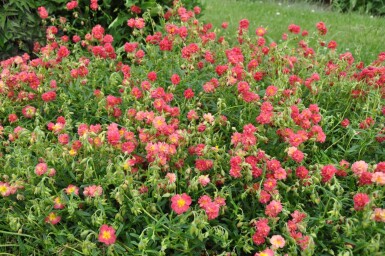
(184,143)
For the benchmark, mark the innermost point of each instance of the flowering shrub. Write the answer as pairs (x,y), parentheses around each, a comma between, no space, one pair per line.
(15,16)
(184,144)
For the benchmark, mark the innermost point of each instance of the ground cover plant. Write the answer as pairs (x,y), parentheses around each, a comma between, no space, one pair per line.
(185,142)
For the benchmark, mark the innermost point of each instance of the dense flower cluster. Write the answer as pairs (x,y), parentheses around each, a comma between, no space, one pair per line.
(185,142)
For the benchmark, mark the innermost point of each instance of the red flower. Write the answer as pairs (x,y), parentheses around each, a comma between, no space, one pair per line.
(98,32)
(107,235)
(136,9)
(63,52)
(203,164)
(180,203)
(175,79)
(244,24)
(295,29)
(301,172)
(188,93)
(48,96)
(328,172)
(260,31)
(12,118)
(322,28)
(360,201)
(332,45)
(258,239)
(130,47)
(345,123)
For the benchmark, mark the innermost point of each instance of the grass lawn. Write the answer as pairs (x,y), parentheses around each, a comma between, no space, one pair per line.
(362,35)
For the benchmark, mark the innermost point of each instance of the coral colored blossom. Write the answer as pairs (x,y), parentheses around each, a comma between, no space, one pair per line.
(107,235)
(72,189)
(52,218)
(180,203)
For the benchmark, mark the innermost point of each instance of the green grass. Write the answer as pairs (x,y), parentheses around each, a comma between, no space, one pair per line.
(362,35)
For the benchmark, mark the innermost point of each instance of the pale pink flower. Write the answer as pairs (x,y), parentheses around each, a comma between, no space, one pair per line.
(359,167)
(378,178)
(204,180)
(93,191)
(277,241)
(171,177)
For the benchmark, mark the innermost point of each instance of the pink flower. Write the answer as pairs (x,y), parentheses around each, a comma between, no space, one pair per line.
(52,218)
(5,189)
(72,5)
(378,178)
(204,180)
(260,31)
(171,177)
(180,203)
(107,235)
(277,241)
(175,79)
(93,191)
(63,139)
(359,167)
(273,208)
(42,12)
(378,215)
(41,168)
(328,172)
(212,210)
(360,201)
(72,189)
(29,111)
(58,203)
(266,252)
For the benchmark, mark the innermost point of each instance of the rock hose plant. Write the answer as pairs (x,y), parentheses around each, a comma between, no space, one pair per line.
(178,143)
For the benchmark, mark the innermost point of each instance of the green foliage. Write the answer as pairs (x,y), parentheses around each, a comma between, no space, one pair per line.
(21,26)
(373,7)
(370,7)
(16,29)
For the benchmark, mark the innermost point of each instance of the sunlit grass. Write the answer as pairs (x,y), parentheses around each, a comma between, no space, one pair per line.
(362,35)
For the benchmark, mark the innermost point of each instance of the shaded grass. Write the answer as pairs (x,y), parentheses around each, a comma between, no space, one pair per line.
(362,35)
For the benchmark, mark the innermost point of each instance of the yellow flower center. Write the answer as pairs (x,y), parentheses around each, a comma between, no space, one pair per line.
(106,235)
(3,189)
(52,216)
(72,152)
(181,202)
